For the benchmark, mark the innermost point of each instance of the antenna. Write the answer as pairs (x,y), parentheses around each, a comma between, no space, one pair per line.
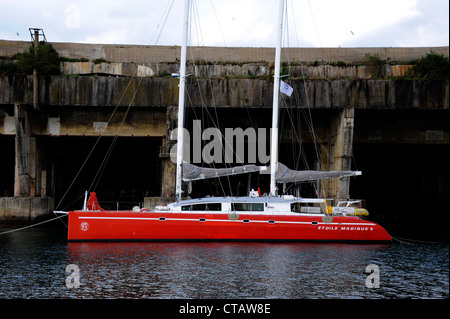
(36,33)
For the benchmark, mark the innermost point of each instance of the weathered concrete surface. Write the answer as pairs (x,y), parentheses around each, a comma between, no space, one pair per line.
(88,122)
(25,153)
(156,54)
(163,92)
(115,68)
(312,63)
(372,94)
(91,91)
(24,209)
(341,143)
(239,70)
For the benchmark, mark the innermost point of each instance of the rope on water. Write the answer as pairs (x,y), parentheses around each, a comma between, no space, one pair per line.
(29,226)
(409,241)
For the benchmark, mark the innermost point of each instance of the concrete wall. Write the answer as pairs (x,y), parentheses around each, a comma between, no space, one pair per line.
(240,70)
(237,78)
(163,92)
(114,68)
(155,54)
(24,209)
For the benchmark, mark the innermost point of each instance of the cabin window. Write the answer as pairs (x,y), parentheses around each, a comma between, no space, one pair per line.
(311,208)
(214,206)
(249,207)
(202,207)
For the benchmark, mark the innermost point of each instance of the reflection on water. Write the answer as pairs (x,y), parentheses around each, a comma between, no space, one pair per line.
(33,263)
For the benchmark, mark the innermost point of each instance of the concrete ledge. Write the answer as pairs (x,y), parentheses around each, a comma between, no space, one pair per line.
(244,70)
(116,68)
(152,54)
(24,209)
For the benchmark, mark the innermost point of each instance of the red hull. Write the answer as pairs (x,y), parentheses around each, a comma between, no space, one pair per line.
(160,226)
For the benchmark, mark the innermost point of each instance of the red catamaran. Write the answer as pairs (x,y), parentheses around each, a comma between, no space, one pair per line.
(250,218)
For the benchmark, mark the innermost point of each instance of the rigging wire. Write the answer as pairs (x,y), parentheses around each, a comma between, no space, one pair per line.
(302,112)
(296,135)
(324,150)
(97,141)
(214,118)
(320,44)
(204,109)
(314,22)
(163,21)
(102,167)
(218,22)
(99,173)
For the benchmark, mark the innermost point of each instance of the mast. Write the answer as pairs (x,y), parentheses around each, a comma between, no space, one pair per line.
(180,138)
(275,111)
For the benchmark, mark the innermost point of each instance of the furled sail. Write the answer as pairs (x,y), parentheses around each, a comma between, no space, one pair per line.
(286,175)
(192,172)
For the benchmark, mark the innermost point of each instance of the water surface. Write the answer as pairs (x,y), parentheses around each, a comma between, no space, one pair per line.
(33,265)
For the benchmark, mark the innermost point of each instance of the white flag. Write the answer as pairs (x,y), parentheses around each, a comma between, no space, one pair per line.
(286,88)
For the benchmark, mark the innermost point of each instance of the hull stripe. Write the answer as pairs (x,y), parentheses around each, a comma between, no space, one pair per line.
(219,220)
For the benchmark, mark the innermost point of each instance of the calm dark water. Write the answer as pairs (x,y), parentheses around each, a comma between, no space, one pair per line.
(33,265)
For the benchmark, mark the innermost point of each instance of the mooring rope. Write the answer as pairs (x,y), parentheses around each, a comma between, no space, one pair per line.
(410,241)
(29,226)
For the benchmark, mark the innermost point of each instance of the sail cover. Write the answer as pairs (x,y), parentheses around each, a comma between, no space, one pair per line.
(192,172)
(286,175)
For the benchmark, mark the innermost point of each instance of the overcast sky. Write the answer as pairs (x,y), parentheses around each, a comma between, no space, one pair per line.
(247,23)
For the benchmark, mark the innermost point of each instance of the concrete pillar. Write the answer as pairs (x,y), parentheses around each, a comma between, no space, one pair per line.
(34,168)
(167,166)
(168,178)
(27,180)
(23,150)
(343,151)
(30,199)
(340,152)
